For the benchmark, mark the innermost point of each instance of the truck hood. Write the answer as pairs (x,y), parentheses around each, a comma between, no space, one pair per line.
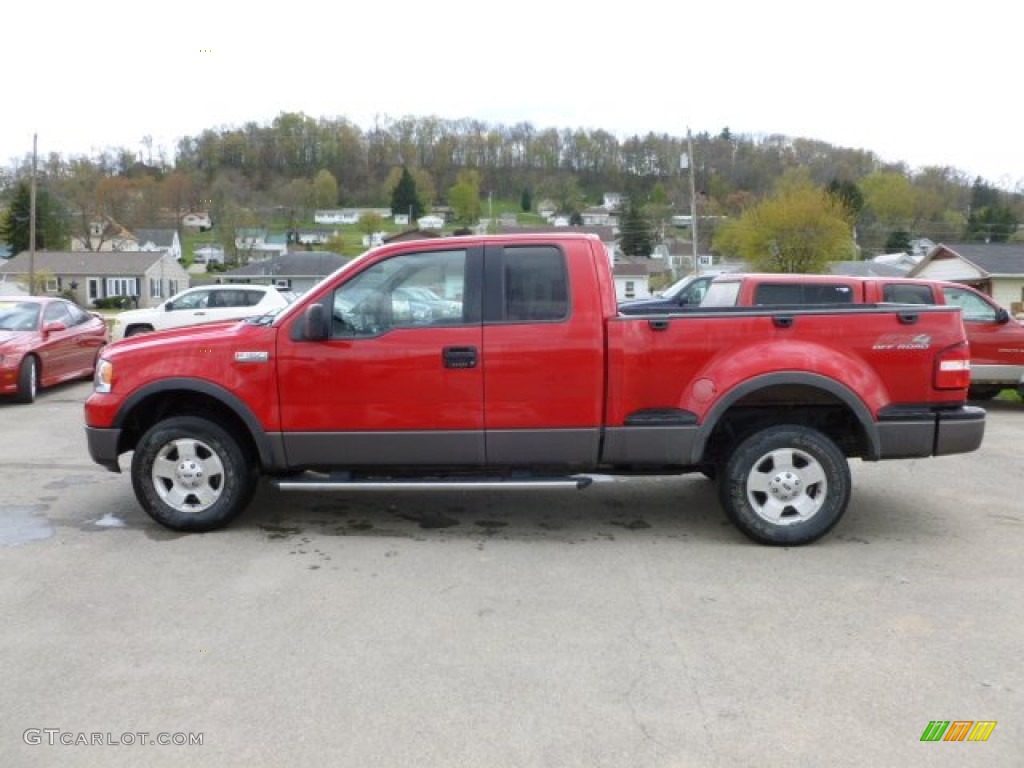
(189,335)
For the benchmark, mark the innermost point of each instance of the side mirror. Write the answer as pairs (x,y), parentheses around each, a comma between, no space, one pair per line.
(1002,316)
(168,306)
(53,327)
(314,323)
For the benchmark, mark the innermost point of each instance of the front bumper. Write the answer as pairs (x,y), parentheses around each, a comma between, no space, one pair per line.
(103,446)
(906,432)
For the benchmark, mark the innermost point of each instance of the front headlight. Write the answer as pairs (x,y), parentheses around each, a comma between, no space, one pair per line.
(103,381)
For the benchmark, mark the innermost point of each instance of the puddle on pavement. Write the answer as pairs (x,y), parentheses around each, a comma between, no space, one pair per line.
(110,521)
(21,524)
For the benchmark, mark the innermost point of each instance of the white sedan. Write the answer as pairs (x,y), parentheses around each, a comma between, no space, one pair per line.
(202,304)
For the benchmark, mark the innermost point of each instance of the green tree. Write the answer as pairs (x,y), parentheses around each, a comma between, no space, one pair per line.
(992,224)
(51,225)
(848,195)
(371,223)
(635,236)
(526,200)
(404,198)
(799,229)
(898,240)
(890,198)
(325,189)
(464,197)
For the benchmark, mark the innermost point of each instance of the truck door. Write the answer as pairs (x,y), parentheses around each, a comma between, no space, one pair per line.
(399,380)
(543,358)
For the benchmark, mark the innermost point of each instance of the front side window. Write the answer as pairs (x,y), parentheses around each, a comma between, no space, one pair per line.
(193,300)
(406,291)
(973,307)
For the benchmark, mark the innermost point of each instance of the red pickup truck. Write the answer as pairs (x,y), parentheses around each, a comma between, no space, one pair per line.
(996,338)
(502,362)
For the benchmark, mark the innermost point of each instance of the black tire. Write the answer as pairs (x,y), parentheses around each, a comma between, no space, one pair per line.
(135,330)
(190,474)
(28,380)
(983,392)
(785,485)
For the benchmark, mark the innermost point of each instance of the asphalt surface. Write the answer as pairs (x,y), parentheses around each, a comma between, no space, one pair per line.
(626,625)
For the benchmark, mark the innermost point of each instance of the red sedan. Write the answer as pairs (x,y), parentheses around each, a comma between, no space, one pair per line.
(44,341)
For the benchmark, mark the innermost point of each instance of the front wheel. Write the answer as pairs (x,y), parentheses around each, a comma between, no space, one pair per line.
(28,380)
(785,485)
(190,474)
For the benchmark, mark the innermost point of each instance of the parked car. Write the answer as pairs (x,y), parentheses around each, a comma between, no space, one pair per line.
(200,305)
(45,341)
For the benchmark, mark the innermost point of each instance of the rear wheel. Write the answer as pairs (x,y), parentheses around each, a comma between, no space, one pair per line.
(785,485)
(983,392)
(190,474)
(28,380)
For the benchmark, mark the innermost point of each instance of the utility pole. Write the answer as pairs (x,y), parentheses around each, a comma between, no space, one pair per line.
(32,224)
(693,200)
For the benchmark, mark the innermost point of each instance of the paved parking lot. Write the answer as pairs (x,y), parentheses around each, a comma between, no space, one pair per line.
(628,625)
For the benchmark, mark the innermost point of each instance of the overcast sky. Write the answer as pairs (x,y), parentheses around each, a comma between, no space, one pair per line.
(931,83)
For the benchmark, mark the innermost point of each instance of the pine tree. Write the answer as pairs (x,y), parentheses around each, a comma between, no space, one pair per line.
(636,239)
(404,198)
(51,228)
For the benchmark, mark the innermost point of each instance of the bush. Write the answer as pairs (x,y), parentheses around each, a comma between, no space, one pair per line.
(115,302)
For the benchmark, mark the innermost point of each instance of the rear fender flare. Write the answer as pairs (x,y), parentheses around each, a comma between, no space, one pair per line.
(841,392)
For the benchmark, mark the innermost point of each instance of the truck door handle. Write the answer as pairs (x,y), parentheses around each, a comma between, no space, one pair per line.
(782,321)
(908,318)
(658,325)
(459,357)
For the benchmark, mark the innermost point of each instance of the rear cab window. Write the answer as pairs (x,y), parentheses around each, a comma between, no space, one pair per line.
(802,293)
(907,294)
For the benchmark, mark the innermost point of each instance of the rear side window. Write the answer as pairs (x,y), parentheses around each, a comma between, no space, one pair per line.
(907,294)
(535,284)
(802,293)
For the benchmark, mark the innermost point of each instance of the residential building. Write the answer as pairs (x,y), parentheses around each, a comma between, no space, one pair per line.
(209,253)
(632,281)
(152,276)
(105,235)
(197,221)
(159,240)
(996,269)
(297,270)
